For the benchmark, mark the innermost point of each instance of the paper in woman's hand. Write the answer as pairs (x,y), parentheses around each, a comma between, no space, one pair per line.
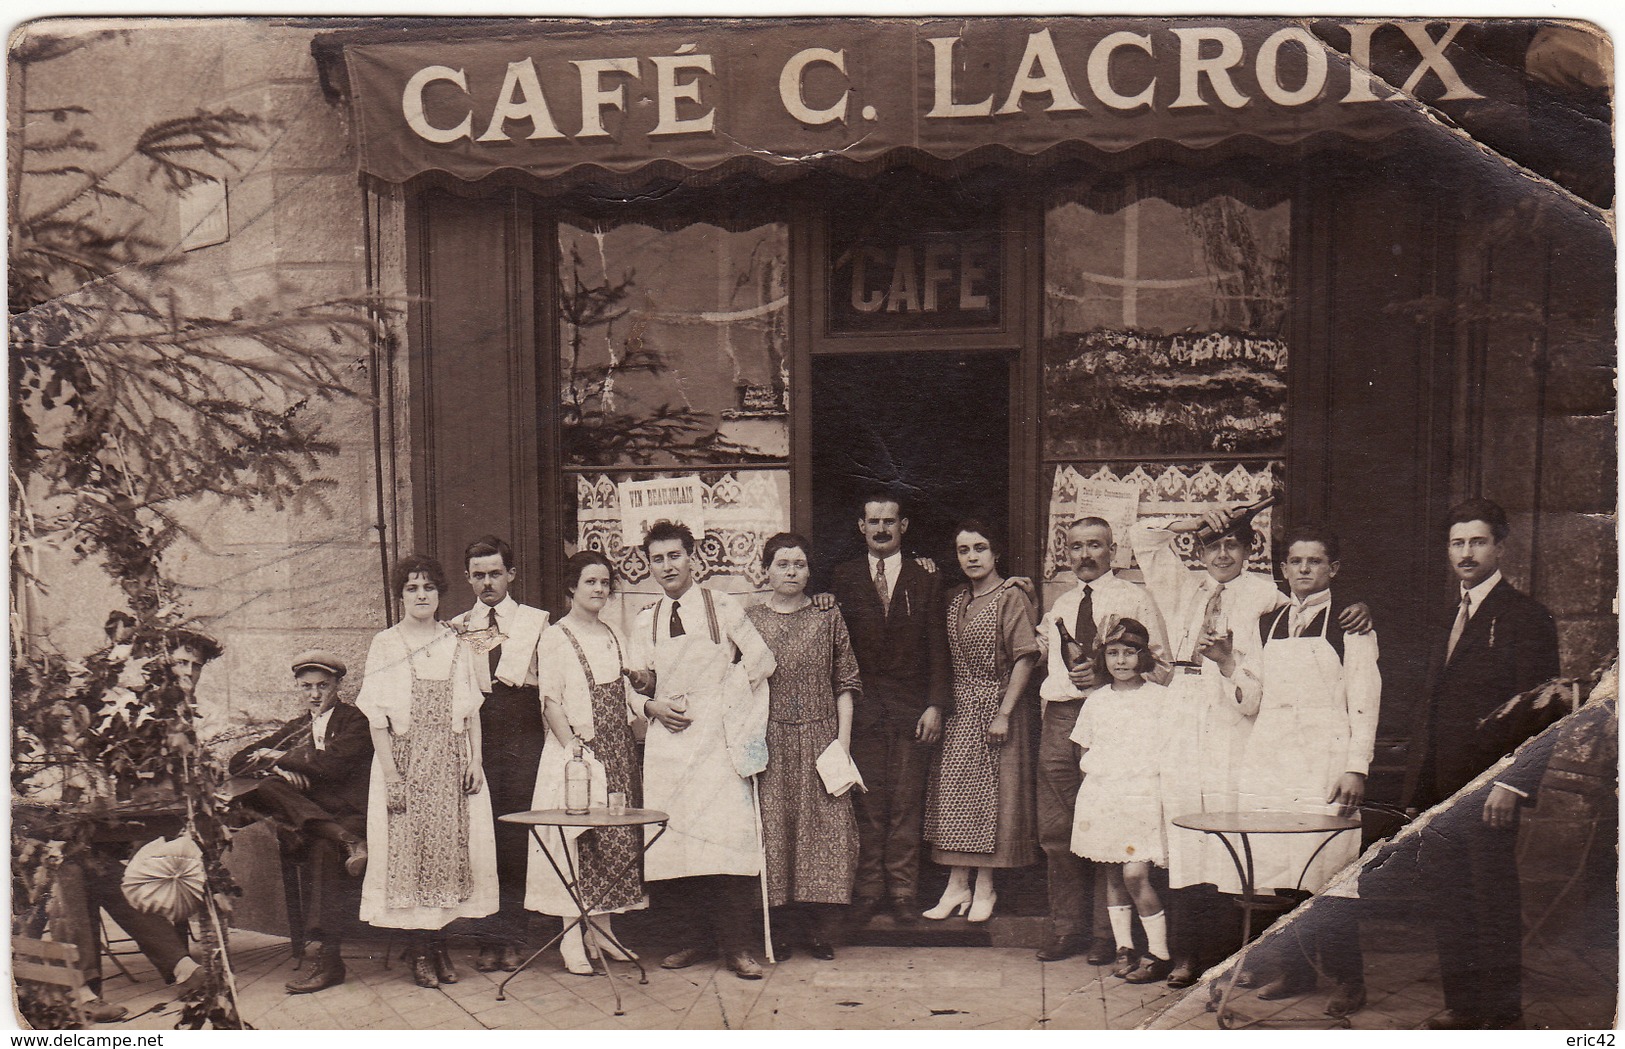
(836,769)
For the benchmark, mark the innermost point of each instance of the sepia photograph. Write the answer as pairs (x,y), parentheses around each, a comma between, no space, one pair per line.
(899,523)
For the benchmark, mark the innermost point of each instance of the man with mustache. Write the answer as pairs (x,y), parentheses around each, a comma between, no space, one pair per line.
(1069,633)
(511,732)
(897,621)
(1498,644)
(705,669)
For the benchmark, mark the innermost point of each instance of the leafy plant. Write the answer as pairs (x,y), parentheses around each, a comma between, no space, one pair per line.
(127,400)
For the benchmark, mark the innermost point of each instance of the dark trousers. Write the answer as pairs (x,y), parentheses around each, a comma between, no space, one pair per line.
(332,899)
(891,814)
(86,888)
(1204,927)
(1471,872)
(1077,887)
(280,800)
(724,910)
(1322,939)
(511,735)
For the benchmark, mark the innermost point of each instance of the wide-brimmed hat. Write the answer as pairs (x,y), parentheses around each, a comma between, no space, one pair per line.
(320,659)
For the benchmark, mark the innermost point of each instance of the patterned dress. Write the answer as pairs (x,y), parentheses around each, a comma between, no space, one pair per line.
(428,843)
(435,861)
(979,805)
(810,837)
(607,857)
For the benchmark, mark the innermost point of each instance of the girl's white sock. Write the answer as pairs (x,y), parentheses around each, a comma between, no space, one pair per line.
(1122,925)
(1156,933)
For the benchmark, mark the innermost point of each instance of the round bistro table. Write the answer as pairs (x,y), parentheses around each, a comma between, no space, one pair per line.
(562,822)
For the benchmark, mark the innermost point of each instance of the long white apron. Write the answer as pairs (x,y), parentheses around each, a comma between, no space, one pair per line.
(690,775)
(1295,756)
(1205,738)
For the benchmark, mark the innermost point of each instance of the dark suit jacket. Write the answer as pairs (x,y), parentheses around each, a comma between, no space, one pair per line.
(903,656)
(1508,647)
(338,775)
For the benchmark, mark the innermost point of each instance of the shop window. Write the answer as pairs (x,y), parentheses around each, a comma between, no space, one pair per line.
(731,513)
(673,345)
(1165,358)
(1163,329)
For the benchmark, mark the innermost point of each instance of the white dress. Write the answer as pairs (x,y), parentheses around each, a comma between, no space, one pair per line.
(559,675)
(701,775)
(1118,818)
(394,670)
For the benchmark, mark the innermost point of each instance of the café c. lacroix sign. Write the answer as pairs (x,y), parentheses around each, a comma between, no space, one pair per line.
(550,97)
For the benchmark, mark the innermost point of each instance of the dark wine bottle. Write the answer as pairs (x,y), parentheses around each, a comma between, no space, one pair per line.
(1072,653)
(1205,534)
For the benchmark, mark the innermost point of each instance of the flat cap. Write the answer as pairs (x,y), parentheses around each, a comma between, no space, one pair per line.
(321,659)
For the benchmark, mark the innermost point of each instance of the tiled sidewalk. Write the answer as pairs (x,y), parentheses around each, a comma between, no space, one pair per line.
(873,988)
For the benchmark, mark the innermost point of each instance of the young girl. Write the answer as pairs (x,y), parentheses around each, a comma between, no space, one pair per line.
(1118,820)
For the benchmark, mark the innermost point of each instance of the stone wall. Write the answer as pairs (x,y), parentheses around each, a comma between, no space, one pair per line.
(267,582)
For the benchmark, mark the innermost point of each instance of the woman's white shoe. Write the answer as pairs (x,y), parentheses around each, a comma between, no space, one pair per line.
(951,903)
(603,945)
(981,907)
(574,950)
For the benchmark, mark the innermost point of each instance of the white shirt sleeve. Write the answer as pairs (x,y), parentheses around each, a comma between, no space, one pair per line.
(1056,686)
(1362,685)
(757,658)
(1152,618)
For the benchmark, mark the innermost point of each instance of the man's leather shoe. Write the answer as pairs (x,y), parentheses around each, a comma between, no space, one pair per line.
(1128,959)
(1287,986)
(744,966)
(1182,977)
(512,959)
(1151,970)
(1101,952)
(1450,1020)
(1346,1000)
(1067,945)
(355,858)
(823,950)
(862,910)
(490,959)
(905,910)
(327,972)
(783,952)
(686,957)
(100,1011)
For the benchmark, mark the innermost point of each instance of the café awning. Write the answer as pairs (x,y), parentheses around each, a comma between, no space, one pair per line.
(567,101)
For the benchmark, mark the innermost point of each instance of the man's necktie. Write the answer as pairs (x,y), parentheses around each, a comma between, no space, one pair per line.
(1084,630)
(495,655)
(1460,625)
(881,589)
(1213,614)
(676,621)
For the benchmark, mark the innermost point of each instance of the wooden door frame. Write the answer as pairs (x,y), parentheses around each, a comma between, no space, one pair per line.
(1022,295)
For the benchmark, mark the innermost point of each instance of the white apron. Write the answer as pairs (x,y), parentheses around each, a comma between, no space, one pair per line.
(1295,756)
(1205,735)
(1205,738)
(690,774)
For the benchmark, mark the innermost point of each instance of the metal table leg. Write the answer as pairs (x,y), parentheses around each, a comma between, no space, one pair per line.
(584,916)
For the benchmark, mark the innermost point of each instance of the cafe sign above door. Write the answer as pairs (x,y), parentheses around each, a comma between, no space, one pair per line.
(548,97)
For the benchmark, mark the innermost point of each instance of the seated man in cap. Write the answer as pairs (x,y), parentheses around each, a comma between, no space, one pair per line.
(311,777)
